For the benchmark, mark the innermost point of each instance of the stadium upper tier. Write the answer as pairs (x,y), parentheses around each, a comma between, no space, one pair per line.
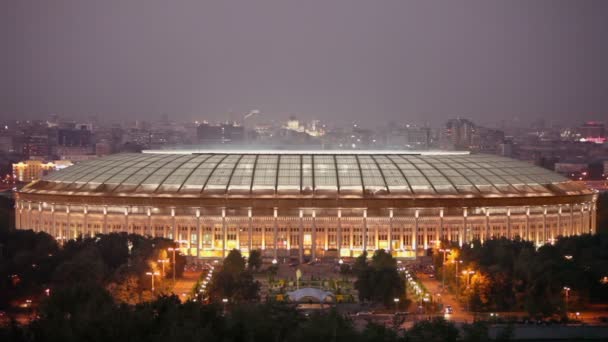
(343,175)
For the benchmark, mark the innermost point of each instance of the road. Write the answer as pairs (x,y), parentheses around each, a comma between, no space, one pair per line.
(183,286)
(459,314)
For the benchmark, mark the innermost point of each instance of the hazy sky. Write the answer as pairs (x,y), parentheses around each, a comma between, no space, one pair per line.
(351,60)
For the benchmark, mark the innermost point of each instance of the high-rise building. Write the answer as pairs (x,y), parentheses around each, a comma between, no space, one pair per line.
(457,134)
(225,133)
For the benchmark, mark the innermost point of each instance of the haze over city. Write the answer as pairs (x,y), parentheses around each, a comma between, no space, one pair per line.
(340,61)
(342,170)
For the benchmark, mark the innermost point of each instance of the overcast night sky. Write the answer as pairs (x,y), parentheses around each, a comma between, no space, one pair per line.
(366,61)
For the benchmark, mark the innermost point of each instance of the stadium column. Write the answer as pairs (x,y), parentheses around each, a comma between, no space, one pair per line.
(326,231)
(314,235)
(224,233)
(463,228)
(276,231)
(104,226)
(198,232)
(339,237)
(151,231)
(300,236)
(40,224)
(85,226)
(527,232)
(250,230)
(68,232)
(487,234)
(509,236)
(351,237)
(582,225)
(127,228)
(53,223)
(415,232)
(439,232)
(173,228)
(390,230)
(263,236)
(544,240)
(29,216)
(593,227)
(559,220)
(425,237)
(571,220)
(364,231)
(376,235)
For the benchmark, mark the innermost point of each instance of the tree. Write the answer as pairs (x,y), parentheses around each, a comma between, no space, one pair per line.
(233,281)
(255,260)
(234,262)
(379,280)
(435,330)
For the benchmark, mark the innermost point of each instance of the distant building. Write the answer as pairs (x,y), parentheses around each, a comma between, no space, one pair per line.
(31,170)
(487,140)
(225,133)
(34,145)
(77,137)
(593,132)
(457,134)
(409,137)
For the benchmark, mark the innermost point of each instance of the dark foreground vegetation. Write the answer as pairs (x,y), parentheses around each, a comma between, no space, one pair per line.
(82,313)
(33,265)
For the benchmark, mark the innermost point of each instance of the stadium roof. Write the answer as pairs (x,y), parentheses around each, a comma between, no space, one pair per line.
(345,175)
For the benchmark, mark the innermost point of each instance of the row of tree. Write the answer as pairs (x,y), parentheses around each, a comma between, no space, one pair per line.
(81,313)
(31,263)
(512,275)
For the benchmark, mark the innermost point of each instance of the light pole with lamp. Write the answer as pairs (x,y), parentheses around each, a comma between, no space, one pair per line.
(152,275)
(224,302)
(567,295)
(173,249)
(444,251)
(396,300)
(163,262)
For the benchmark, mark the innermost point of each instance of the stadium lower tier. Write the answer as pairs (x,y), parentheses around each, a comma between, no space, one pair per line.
(304,232)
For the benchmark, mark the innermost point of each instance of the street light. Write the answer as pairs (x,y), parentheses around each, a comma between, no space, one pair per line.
(171,249)
(225,301)
(468,273)
(152,274)
(163,262)
(444,251)
(567,295)
(274,261)
(396,300)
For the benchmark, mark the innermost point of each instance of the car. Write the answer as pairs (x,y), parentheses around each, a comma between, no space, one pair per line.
(363,313)
(448,310)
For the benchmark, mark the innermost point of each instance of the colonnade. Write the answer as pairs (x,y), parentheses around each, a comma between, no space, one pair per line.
(309,234)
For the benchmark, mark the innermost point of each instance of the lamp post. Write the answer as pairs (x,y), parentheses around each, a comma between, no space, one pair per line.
(172,249)
(224,302)
(444,251)
(396,300)
(152,274)
(567,295)
(468,273)
(163,262)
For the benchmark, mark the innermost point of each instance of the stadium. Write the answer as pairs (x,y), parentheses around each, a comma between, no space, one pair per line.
(308,204)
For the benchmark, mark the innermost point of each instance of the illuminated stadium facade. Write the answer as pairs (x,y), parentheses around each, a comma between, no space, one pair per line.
(307,204)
